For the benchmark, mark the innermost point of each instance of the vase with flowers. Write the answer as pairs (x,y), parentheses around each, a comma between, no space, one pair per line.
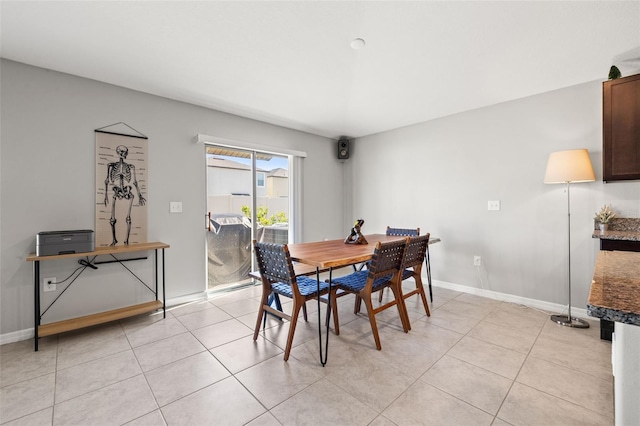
(604,216)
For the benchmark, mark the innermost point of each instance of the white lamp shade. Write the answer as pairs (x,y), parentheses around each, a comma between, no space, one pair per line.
(569,166)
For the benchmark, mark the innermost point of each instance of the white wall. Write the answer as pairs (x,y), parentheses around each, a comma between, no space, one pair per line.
(440,174)
(47,180)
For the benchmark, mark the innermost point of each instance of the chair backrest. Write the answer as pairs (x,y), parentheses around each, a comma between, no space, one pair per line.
(416,251)
(274,262)
(403,232)
(387,258)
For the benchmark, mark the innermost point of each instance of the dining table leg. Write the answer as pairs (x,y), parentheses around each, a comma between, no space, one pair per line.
(323,359)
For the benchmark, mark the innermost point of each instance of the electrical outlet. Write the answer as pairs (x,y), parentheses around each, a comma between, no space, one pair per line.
(477,261)
(175,207)
(493,205)
(49,284)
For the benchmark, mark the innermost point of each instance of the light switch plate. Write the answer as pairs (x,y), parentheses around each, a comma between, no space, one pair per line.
(175,207)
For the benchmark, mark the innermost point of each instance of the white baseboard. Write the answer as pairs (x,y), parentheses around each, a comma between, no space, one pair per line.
(17,336)
(533,303)
(28,333)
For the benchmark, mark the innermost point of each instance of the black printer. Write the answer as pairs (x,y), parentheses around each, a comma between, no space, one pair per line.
(64,242)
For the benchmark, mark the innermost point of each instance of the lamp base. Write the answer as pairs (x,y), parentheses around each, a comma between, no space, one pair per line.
(570,322)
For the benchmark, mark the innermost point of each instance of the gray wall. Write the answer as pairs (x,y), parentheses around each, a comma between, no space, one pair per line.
(47,183)
(440,174)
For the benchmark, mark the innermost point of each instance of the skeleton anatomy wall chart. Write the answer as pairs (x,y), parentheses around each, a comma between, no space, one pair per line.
(121,189)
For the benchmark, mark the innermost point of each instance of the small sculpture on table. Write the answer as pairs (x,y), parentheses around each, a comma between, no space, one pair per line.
(355,237)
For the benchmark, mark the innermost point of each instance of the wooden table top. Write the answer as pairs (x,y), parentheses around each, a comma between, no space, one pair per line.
(335,253)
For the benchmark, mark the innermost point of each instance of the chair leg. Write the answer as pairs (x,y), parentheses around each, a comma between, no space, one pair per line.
(402,309)
(261,312)
(304,311)
(428,263)
(334,310)
(372,318)
(423,296)
(357,304)
(297,304)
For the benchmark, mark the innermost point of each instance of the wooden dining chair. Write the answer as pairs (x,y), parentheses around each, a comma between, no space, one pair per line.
(278,277)
(412,268)
(400,232)
(384,271)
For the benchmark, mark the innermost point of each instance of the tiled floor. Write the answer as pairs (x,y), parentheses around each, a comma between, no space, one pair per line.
(475,361)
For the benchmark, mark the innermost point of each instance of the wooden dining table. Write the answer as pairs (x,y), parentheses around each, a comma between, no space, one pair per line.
(330,254)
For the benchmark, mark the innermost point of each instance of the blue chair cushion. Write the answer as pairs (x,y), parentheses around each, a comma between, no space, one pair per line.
(306,285)
(407,273)
(356,281)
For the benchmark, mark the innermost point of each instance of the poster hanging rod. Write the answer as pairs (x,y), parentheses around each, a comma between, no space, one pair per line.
(101,130)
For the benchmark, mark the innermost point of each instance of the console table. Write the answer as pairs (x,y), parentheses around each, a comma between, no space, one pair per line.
(42,330)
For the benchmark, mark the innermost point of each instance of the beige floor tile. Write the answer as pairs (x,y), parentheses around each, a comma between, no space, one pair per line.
(166,351)
(243,353)
(371,380)
(225,298)
(338,408)
(221,333)
(266,419)
(204,317)
(112,405)
(409,354)
(141,334)
(467,309)
(423,404)
(191,307)
(496,359)
(26,397)
(463,380)
(226,399)
(579,337)
(443,293)
(304,332)
(527,406)
(478,300)
(500,422)
(154,418)
(23,363)
(382,421)
(523,311)
(183,377)
(587,391)
(274,380)
(80,379)
(240,307)
(523,320)
(435,338)
(90,344)
(503,336)
(451,321)
(596,361)
(39,418)
(467,342)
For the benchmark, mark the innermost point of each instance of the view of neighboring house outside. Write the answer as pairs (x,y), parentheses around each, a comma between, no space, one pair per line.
(229,187)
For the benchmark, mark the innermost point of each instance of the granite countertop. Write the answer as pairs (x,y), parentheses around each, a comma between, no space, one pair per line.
(615,289)
(627,229)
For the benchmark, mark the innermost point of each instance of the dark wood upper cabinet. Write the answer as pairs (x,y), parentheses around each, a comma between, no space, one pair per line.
(621,129)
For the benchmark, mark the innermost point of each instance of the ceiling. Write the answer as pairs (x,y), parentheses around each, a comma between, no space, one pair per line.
(290,62)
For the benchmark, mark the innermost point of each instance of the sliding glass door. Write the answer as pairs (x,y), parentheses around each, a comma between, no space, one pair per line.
(247,199)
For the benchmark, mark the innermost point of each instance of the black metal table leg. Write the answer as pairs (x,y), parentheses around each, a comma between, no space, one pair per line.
(36,301)
(429,275)
(164,303)
(323,360)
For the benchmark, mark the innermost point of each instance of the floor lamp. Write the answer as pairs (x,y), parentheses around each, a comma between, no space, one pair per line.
(569,167)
